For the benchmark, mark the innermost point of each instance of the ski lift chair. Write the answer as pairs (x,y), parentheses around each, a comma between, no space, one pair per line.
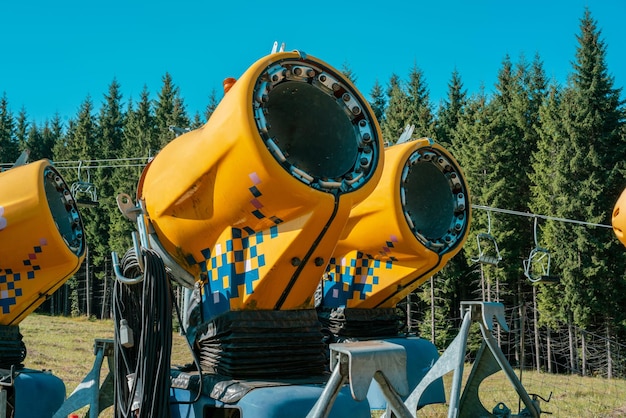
(84,192)
(488,252)
(537,265)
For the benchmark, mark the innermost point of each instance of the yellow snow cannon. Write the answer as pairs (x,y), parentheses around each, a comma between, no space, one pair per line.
(618,220)
(415,221)
(42,241)
(250,206)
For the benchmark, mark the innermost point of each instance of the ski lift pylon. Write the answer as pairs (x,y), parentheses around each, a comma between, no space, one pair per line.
(537,265)
(488,252)
(84,192)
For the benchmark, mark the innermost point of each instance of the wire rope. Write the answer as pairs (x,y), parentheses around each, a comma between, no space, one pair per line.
(534,215)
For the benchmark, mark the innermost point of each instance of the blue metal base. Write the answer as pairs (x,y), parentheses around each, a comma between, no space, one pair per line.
(421,355)
(293,401)
(37,394)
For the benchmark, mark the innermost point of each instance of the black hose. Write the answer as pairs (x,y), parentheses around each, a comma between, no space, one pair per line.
(147,311)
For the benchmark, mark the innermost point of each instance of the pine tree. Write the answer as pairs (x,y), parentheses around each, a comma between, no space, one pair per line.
(420,109)
(471,142)
(169,111)
(450,111)
(139,144)
(9,150)
(41,142)
(548,177)
(348,73)
(34,142)
(397,114)
(588,154)
(78,145)
(378,102)
(145,130)
(21,129)
(105,147)
(213,102)
(81,136)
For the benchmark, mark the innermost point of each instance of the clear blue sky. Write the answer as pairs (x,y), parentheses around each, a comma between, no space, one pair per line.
(55,53)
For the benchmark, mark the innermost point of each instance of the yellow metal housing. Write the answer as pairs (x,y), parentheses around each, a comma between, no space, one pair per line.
(253,203)
(41,238)
(618,219)
(404,232)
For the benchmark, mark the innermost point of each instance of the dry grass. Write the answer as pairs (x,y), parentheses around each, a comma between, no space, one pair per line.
(65,346)
(572,395)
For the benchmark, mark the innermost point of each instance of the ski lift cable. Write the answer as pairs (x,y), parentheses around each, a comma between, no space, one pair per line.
(103,160)
(534,215)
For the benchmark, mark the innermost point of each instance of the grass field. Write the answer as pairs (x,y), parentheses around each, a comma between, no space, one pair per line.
(65,346)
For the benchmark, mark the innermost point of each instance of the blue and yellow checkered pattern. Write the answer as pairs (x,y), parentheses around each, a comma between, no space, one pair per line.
(10,280)
(231,268)
(353,277)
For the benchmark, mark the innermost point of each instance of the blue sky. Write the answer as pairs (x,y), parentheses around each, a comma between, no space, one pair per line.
(55,53)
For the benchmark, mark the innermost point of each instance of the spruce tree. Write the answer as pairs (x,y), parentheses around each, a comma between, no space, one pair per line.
(213,102)
(378,102)
(43,139)
(169,111)
(548,178)
(589,162)
(34,142)
(346,70)
(77,147)
(106,148)
(420,109)
(443,300)
(9,149)
(472,143)
(21,129)
(450,111)
(397,114)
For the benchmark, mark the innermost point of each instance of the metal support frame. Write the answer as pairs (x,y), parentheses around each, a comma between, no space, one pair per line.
(360,362)
(7,379)
(3,402)
(490,360)
(89,392)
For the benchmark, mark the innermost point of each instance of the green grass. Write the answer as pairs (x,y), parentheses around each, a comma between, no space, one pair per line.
(65,346)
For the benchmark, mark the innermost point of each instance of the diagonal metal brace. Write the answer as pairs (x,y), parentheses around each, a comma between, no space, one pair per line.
(89,392)
(453,359)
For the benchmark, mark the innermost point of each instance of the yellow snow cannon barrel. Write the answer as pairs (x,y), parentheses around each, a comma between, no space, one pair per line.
(618,220)
(41,238)
(403,233)
(251,204)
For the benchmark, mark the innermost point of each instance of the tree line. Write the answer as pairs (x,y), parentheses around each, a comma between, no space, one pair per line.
(532,146)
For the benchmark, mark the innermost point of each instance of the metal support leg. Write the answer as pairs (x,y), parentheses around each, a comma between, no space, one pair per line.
(359,363)
(452,359)
(3,403)
(89,392)
(324,404)
(487,363)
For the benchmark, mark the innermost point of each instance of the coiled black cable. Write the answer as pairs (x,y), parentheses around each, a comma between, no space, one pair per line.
(147,309)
